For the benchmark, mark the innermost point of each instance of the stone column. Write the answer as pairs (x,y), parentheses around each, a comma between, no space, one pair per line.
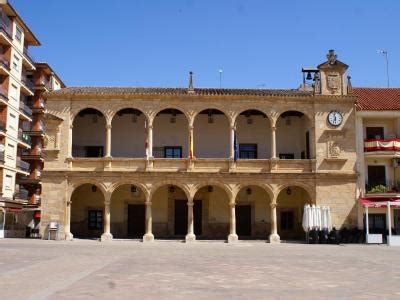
(190,139)
(108,140)
(148,236)
(274,237)
(232,237)
(67,227)
(150,140)
(273,142)
(232,141)
(69,155)
(190,236)
(107,236)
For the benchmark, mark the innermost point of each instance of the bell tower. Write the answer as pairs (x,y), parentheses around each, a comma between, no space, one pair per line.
(333,76)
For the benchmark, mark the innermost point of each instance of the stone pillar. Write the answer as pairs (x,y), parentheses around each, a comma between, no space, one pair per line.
(273,142)
(274,237)
(232,141)
(69,155)
(67,227)
(190,236)
(150,140)
(148,236)
(107,236)
(108,140)
(232,225)
(190,140)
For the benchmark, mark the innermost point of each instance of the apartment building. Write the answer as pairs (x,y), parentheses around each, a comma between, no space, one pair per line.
(22,83)
(378,146)
(196,163)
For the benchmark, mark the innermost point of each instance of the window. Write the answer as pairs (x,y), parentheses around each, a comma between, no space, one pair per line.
(95,219)
(16,63)
(248,151)
(8,182)
(286,155)
(14,92)
(287,220)
(173,152)
(18,34)
(376,176)
(94,151)
(377,223)
(374,132)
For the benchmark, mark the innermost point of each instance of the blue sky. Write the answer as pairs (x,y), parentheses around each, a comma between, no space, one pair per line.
(257,43)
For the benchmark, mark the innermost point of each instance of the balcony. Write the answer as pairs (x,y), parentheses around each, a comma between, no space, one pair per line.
(23,166)
(25,110)
(4,66)
(27,86)
(24,138)
(21,194)
(202,165)
(27,60)
(389,187)
(382,147)
(43,82)
(1,157)
(32,154)
(5,29)
(3,97)
(3,126)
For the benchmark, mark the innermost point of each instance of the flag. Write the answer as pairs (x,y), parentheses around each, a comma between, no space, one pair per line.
(191,144)
(235,146)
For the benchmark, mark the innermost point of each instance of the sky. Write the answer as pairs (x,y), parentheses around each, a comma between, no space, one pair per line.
(256,43)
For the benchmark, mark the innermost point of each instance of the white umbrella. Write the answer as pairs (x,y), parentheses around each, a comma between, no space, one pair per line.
(306,218)
(318,217)
(312,216)
(324,220)
(328,218)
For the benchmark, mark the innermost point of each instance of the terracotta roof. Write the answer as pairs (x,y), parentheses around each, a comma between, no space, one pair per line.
(377,98)
(70,91)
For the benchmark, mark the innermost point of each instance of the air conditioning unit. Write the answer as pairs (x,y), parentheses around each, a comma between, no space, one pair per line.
(395,162)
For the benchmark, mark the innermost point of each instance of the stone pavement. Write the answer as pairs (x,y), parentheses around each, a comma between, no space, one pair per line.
(82,269)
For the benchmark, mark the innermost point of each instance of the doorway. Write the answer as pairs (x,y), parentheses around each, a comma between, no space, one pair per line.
(181,217)
(243,220)
(136,220)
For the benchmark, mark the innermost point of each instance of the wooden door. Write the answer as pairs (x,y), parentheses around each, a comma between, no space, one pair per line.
(181,220)
(243,220)
(136,220)
(197,217)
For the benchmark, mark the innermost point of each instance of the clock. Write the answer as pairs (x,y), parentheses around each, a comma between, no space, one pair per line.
(335,118)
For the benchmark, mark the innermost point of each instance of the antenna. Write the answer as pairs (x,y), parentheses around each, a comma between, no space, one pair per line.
(220,78)
(385,53)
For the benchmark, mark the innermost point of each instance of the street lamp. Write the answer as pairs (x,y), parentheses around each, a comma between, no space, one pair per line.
(385,53)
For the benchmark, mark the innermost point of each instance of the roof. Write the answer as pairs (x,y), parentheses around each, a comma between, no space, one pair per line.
(377,98)
(103,91)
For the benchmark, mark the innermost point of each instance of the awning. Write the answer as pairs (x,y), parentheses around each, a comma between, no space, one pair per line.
(379,202)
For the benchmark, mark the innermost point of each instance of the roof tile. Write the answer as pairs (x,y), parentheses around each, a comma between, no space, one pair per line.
(377,98)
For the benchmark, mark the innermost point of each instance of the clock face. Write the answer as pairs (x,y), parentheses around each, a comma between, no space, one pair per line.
(335,118)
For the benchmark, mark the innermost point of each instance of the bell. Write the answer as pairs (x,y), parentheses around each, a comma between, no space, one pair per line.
(309,77)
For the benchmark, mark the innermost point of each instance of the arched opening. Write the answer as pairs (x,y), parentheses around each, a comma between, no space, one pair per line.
(171,134)
(211,134)
(213,213)
(89,134)
(294,136)
(253,132)
(87,211)
(128,212)
(128,136)
(170,212)
(291,201)
(253,213)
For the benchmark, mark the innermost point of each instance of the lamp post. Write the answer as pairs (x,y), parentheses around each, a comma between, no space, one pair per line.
(220,78)
(385,53)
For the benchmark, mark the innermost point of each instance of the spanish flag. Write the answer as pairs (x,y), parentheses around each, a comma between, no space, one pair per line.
(191,144)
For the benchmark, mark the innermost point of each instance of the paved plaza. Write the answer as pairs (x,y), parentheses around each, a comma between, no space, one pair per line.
(81,269)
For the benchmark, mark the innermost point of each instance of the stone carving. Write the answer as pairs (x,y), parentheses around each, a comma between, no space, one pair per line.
(334,150)
(332,57)
(333,81)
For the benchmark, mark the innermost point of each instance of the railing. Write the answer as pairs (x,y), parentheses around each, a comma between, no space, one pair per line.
(5,63)
(23,136)
(24,108)
(2,157)
(5,24)
(390,186)
(3,126)
(4,94)
(23,165)
(44,82)
(372,145)
(28,56)
(21,194)
(27,82)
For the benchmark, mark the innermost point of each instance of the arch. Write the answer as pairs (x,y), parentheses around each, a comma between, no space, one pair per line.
(89,133)
(305,187)
(181,110)
(77,183)
(212,134)
(128,133)
(118,184)
(182,186)
(114,113)
(304,112)
(221,109)
(265,188)
(264,112)
(74,114)
(295,135)
(224,187)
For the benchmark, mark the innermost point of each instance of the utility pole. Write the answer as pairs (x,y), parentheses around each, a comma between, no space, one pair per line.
(220,78)
(385,53)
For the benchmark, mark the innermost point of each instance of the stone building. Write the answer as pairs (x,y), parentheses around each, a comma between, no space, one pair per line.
(200,162)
